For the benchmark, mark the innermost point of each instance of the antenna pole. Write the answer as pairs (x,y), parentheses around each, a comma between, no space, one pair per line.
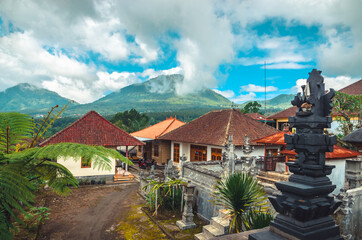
(265,92)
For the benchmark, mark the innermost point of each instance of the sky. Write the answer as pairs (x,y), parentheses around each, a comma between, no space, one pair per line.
(86,49)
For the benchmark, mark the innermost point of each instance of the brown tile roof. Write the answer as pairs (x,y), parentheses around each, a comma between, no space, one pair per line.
(353,89)
(256,116)
(338,153)
(159,129)
(93,129)
(214,127)
(285,113)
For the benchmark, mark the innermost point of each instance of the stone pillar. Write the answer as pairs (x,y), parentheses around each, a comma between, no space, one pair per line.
(354,172)
(183,160)
(229,157)
(152,172)
(187,215)
(305,205)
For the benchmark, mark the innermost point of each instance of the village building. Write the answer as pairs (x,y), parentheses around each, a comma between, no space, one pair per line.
(276,161)
(204,138)
(92,129)
(155,148)
(355,138)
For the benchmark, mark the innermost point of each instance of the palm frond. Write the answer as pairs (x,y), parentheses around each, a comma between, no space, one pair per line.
(15,128)
(46,122)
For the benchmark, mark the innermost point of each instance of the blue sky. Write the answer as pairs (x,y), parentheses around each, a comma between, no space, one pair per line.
(86,49)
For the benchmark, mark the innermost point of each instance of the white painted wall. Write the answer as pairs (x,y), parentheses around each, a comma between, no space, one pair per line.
(74,166)
(338,174)
(185,149)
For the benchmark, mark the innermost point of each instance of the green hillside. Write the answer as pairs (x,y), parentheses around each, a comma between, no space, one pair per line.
(27,98)
(276,104)
(156,95)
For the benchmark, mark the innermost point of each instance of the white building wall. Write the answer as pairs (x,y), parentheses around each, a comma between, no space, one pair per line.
(338,174)
(74,166)
(185,149)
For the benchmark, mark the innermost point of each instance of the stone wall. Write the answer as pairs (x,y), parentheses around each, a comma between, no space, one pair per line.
(349,215)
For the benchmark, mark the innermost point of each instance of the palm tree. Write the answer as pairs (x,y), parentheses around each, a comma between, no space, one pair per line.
(243,197)
(22,163)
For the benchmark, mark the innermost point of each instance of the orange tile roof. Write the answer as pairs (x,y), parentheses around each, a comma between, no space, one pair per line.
(353,89)
(93,129)
(214,127)
(276,139)
(256,116)
(159,129)
(338,153)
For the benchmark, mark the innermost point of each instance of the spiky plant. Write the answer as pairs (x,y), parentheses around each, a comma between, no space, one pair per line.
(21,163)
(239,193)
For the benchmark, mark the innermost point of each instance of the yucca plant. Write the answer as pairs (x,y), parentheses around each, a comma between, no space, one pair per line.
(240,194)
(22,164)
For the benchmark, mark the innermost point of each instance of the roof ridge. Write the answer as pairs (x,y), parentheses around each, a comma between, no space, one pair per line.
(80,119)
(173,120)
(64,129)
(228,127)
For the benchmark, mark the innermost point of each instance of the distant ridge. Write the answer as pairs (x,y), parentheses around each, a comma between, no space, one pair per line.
(155,95)
(27,98)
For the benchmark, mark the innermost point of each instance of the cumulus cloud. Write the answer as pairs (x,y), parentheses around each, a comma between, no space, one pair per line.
(202,34)
(244,97)
(227,93)
(255,88)
(336,83)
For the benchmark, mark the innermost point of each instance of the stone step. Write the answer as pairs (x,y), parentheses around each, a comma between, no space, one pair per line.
(221,223)
(211,231)
(223,213)
(200,236)
(267,179)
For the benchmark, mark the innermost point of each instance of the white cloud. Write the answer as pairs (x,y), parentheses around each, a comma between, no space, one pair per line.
(336,83)
(151,73)
(255,88)
(227,93)
(244,97)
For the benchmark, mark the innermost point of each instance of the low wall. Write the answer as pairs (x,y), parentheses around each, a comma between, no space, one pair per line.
(348,217)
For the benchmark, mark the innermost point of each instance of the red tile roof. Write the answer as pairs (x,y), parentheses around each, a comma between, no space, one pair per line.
(353,89)
(159,129)
(338,153)
(285,113)
(275,139)
(214,127)
(93,129)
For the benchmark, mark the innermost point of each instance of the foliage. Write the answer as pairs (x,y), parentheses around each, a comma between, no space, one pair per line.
(251,107)
(130,121)
(258,219)
(241,194)
(22,164)
(169,194)
(346,107)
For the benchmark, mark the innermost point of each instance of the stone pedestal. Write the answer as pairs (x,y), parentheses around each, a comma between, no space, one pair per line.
(305,205)
(187,215)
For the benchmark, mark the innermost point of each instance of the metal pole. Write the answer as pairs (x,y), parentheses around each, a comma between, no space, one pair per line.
(265,92)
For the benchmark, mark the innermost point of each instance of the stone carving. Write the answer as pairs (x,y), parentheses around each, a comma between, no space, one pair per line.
(304,204)
(229,157)
(187,215)
(152,172)
(183,160)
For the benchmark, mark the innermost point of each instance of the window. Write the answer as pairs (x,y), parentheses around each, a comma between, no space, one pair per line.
(198,153)
(86,162)
(155,150)
(176,152)
(216,154)
(140,148)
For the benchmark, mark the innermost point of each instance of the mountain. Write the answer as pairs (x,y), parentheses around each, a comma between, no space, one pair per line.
(27,98)
(155,95)
(275,104)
